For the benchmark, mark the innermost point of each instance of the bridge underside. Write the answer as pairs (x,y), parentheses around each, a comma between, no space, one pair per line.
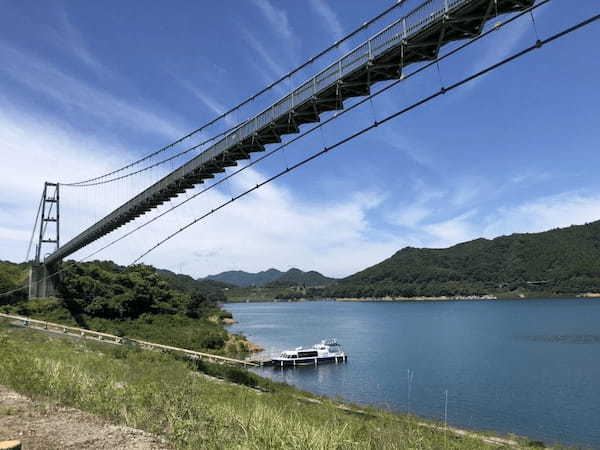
(381,58)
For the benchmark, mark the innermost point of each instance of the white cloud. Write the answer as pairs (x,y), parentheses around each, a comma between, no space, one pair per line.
(271,227)
(69,38)
(276,69)
(411,215)
(468,190)
(45,78)
(276,17)
(210,102)
(453,231)
(533,216)
(35,150)
(331,21)
(561,210)
(411,148)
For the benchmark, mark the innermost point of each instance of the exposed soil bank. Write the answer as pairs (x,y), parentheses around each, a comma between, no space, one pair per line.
(44,425)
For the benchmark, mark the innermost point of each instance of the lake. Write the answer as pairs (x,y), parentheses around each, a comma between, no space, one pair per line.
(529,367)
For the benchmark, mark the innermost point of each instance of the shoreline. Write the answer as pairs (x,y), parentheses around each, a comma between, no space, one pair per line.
(465,298)
(486,437)
(268,408)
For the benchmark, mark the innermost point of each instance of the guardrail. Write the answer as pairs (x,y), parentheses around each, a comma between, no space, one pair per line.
(119,340)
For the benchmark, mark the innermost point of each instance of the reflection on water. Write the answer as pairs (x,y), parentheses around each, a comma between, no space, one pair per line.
(507,365)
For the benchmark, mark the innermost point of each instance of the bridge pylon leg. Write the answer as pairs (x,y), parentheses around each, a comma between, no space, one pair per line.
(42,279)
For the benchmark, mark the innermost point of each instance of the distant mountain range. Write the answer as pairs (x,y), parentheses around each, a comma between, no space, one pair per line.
(272,277)
(560,261)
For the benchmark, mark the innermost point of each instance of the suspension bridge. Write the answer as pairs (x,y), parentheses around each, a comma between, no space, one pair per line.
(414,38)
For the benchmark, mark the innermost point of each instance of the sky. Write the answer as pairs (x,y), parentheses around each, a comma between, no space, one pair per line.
(86,87)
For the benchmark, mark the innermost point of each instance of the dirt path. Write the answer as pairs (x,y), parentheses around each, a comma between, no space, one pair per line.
(43,425)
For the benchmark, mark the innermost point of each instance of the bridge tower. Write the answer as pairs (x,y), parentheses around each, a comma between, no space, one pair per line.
(41,281)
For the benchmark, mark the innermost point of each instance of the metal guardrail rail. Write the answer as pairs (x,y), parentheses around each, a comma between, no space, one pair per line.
(118,340)
(415,37)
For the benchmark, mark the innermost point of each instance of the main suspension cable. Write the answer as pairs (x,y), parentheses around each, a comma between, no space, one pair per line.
(248,100)
(339,143)
(37,217)
(320,125)
(152,166)
(353,136)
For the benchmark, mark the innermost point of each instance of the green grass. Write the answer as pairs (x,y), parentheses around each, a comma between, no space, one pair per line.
(198,334)
(161,394)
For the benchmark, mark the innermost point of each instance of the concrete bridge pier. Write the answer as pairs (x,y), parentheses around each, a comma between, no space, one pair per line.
(42,280)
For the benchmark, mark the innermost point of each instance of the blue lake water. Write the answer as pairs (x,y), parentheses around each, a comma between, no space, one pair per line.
(529,367)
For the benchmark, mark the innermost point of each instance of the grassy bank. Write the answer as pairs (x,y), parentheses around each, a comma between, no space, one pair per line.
(173,398)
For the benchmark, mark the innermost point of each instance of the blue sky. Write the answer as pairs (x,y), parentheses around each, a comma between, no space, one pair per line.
(88,86)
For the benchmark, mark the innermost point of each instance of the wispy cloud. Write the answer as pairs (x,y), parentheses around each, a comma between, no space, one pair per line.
(561,210)
(39,149)
(267,66)
(331,20)
(209,101)
(68,91)
(412,148)
(422,205)
(536,215)
(277,18)
(271,63)
(284,231)
(279,227)
(69,38)
(452,231)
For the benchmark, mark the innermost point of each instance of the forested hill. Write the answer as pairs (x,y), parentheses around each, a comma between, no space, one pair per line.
(211,289)
(13,276)
(296,277)
(136,301)
(559,261)
(244,279)
(272,278)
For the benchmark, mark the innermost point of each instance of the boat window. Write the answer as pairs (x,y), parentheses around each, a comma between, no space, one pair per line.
(307,354)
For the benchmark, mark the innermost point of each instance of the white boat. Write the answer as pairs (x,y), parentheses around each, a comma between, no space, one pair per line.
(327,351)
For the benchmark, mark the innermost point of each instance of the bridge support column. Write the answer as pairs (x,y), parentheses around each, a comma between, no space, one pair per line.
(42,280)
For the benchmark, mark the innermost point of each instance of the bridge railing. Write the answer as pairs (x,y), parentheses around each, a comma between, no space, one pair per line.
(391,37)
(415,21)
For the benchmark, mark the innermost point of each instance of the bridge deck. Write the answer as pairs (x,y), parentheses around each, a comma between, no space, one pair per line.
(416,37)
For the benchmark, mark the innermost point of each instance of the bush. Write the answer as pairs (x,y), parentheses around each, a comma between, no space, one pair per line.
(229,373)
